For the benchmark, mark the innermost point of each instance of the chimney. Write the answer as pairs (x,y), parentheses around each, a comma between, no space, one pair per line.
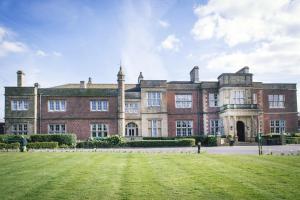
(194,74)
(141,77)
(37,85)
(90,81)
(20,75)
(82,84)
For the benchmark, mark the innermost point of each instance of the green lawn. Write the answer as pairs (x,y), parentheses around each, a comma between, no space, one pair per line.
(93,175)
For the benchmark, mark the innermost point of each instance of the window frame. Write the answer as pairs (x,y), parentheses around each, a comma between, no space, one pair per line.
(16,130)
(19,105)
(154,127)
(60,129)
(59,105)
(154,100)
(99,130)
(216,129)
(131,109)
(213,100)
(99,105)
(238,97)
(183,100)
(279,125)
(275,102)
(184,131)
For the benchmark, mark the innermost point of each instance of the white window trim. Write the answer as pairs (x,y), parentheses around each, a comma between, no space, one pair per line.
(282,129)
(97,105)
(60,102)
(220,127)
(157,128)
(131,109)
(18,131)
(18,107)
(179,103)
(153,100)
(269,102)
(60,128)
(186,128)
(214,100)
(97,132)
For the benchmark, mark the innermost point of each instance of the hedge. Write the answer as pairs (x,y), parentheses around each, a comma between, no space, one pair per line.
(273,139)
(93,144)
(205,140)
(15,145)
(10,138)
(293,140)
(189,142)
(114,140)
(42,145)
(67,139)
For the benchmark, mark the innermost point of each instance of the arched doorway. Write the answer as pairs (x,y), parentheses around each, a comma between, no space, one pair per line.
(240,128)
(131,130)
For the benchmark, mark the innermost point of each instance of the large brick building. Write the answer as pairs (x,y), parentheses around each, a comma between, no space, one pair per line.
(232,105)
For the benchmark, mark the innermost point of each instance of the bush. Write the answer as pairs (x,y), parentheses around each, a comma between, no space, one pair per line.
(42,145)
(67,139)
(293,140)
(189,142)
(273,139)
(93,144)
(205,140)
(15,145)
(10,138)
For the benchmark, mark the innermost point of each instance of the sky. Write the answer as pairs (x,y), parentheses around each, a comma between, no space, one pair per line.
(65,41)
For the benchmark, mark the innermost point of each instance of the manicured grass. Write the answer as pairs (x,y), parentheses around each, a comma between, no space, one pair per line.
(93,175)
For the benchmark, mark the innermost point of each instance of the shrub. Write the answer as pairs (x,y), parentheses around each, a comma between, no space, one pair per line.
(67,139)
(293,140)
(42,145)
(2,146)
(10,138)
(115,140)
(205,140)
(63,146)
(93,144)
(162,143)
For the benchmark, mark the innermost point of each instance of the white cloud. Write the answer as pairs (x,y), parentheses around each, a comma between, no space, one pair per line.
(8,44)
(163,23)
(171,43)
(42,53)
(238,22)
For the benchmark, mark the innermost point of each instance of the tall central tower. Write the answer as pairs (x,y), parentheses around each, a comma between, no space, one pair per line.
(121,102)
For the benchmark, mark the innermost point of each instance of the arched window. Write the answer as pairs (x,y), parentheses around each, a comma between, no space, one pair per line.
(131,130)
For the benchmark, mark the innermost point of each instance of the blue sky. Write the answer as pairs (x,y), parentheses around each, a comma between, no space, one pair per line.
(56,42)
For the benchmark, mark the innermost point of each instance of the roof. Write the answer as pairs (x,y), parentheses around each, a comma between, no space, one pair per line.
(96,86)
(153,83)
(78,92)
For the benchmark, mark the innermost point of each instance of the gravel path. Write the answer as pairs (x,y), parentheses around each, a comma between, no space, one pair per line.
(249,150)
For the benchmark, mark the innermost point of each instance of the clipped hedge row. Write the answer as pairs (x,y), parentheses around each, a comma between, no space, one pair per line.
(67,139)
(205,140)
(189,142)
(42,145)
(293,140)
(15,145)
(93,144)
(9,138)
